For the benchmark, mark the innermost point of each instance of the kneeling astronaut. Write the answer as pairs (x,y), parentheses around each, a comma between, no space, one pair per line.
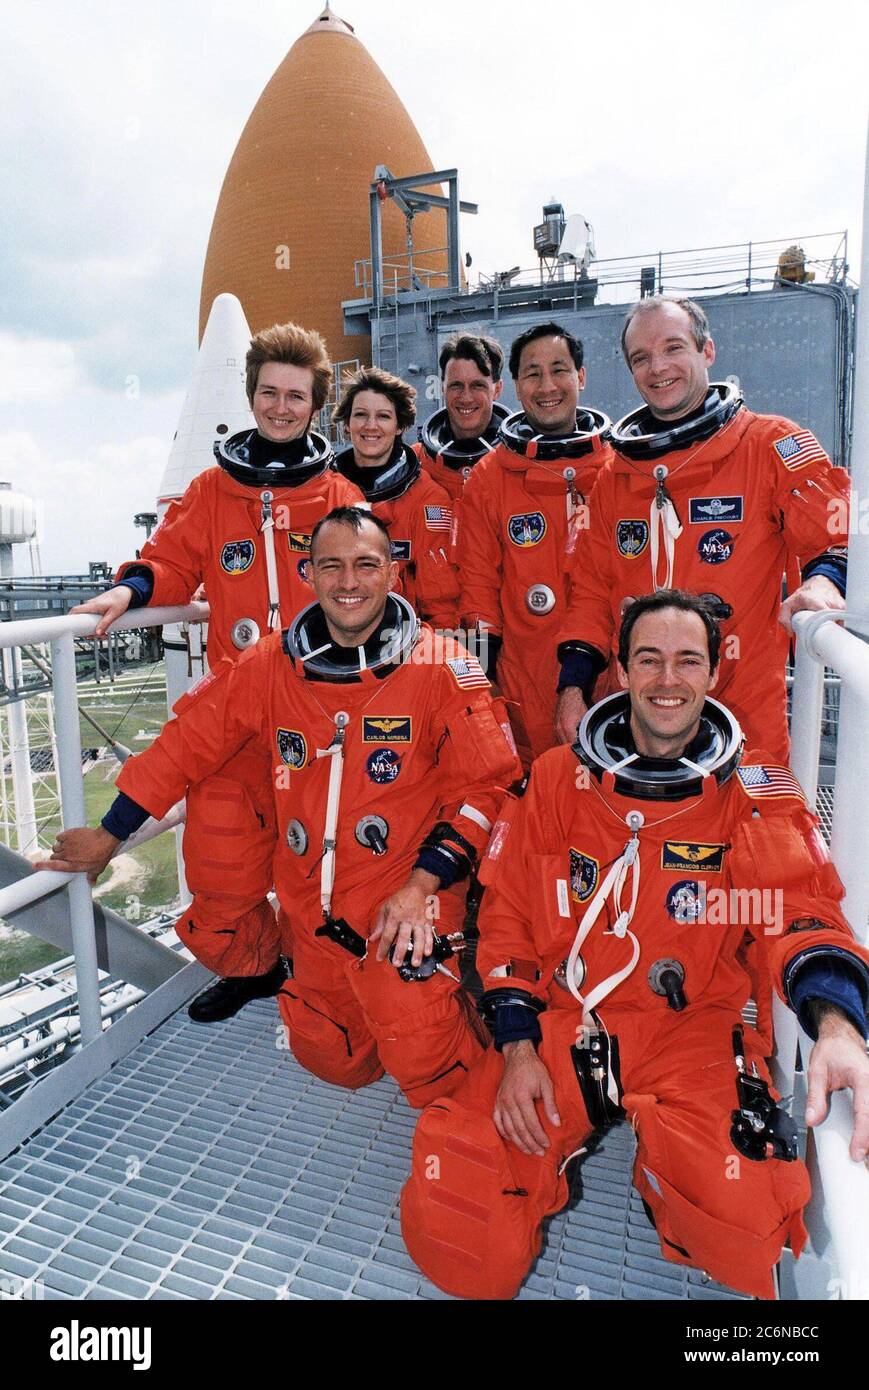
(389,757)
(609,991)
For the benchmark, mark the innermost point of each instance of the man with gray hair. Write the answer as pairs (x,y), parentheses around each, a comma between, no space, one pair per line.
(704,494)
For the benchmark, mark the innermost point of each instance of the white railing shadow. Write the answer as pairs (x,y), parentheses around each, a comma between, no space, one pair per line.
(60,633)
(838,1214)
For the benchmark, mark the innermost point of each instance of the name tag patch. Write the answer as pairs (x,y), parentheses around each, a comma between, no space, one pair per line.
(386,728)
(702,510)
(684,855)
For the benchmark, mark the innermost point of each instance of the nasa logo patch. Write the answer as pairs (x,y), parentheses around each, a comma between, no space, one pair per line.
(714,547)
(526,528)
(705,509)
(237,556)
(383,765)
(302,569)
(400,550)
(292,748)
(685,901)
(632,537)
(584,875)
(386,728)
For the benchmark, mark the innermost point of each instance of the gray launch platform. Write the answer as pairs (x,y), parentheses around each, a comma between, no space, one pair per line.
(209,1165)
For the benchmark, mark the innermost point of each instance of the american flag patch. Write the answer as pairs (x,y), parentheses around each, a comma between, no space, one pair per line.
(796,450)
(760,781)
(438,518)
(468,672)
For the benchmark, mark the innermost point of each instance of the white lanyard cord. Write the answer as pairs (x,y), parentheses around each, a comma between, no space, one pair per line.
(268,534)
(335,751)
(627,862)
(663,516)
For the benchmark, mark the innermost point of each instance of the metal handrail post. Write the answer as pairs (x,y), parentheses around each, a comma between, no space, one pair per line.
(845,1196)
(831,644)
(848,838)
(852,752)
(453,253)
(376,249)
(807,712)
(81,908)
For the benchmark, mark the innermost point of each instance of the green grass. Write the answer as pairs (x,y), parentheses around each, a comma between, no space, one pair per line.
(18,956)
(159,887)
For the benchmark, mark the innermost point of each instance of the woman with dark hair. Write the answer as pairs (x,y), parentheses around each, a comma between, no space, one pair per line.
(375,408)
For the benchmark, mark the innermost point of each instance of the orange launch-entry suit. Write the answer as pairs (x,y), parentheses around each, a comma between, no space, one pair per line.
(423,757)
(215,534)
(476,1228)
(521,519)
(752,499)
(449,462)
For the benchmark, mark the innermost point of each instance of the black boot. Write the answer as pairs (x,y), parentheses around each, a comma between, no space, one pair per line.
(224,999)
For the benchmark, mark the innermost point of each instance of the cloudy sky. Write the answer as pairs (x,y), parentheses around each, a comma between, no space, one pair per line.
(669,125)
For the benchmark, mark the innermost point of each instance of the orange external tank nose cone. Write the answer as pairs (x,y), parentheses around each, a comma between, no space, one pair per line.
(292,218)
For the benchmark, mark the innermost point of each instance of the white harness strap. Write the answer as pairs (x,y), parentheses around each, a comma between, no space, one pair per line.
(268,535)
(575,510)
(662,515)
(628,862)
(471,813)
(335,751)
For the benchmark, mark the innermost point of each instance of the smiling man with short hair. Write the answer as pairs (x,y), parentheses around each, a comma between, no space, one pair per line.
(389,761)
(705,494)
(523,509)
(613,989)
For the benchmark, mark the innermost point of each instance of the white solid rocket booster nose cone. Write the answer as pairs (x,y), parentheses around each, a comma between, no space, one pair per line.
(215,405)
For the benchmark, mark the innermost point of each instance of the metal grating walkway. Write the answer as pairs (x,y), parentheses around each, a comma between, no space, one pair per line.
(207,1165)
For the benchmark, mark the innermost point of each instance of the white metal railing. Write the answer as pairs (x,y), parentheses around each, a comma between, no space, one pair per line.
(822,641)
(60,633)
(64,1032)
(732,266)
(838,1215)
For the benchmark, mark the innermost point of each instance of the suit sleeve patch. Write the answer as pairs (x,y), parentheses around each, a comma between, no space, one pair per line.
(758,781)
(798,449)
(438,518)
(468,673)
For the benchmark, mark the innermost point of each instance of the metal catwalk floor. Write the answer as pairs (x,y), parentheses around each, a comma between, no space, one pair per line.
(209,1165)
